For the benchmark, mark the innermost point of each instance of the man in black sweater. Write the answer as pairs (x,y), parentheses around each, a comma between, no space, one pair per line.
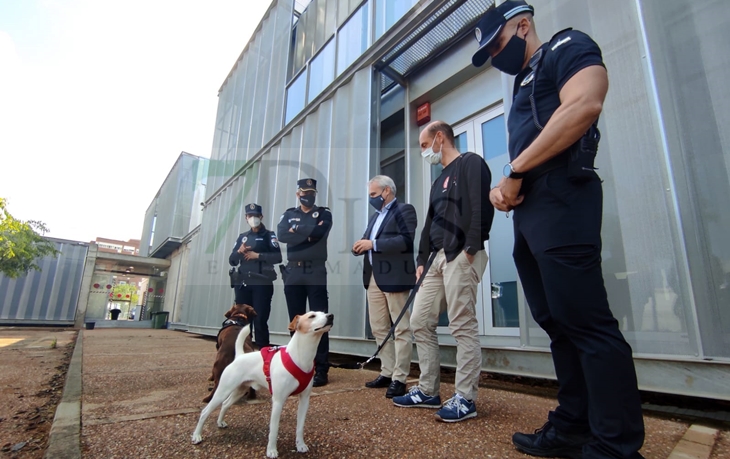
(458,222)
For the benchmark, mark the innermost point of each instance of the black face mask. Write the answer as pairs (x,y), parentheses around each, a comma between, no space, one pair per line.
(511,59)
(307,200)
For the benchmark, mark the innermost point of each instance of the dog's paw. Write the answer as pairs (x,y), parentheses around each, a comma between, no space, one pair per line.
(222,425)
(197,439)
(272,452)
(302,447)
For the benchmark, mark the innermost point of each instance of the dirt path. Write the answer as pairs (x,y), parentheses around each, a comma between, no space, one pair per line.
(33,363)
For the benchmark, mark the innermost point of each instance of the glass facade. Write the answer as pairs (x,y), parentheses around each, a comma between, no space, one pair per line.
(321,70)
(352,39)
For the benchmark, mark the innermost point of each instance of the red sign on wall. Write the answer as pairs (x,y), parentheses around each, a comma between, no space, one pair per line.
(423,114)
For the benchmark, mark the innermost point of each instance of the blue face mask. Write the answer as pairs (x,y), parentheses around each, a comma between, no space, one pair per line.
(377,202)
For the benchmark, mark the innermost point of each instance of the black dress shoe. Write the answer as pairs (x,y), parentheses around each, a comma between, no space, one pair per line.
(380,381)
(547,441)
(320,379)
(396,389)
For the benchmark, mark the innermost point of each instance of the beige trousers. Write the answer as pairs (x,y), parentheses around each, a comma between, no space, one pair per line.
(384,307)
(456,283)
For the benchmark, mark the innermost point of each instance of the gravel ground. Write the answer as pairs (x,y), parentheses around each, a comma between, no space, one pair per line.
(722,446)
(143,390)
(32,375)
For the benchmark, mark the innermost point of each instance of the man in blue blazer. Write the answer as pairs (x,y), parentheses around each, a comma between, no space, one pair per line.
(389,273)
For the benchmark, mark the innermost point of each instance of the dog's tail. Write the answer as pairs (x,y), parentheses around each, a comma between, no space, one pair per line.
(242,335)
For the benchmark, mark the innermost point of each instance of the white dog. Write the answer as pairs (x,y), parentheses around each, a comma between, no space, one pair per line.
(291,371)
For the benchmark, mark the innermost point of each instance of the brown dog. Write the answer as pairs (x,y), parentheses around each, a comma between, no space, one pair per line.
(239,316)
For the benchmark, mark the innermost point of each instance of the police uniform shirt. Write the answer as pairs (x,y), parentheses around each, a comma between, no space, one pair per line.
(567,53)
(309,241)
(263,242)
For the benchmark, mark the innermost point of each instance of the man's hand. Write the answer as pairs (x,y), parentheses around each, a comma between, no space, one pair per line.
(363,245)
(419,271)
(497,200)
(470,258)
(243,249)
(251,255)
(510,190)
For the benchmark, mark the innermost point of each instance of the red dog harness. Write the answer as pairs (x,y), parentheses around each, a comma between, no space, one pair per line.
(304,378)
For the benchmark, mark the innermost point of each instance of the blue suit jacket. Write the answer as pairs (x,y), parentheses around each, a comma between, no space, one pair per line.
(393,264)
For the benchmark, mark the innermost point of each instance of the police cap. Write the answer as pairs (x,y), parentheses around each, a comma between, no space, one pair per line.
(307,184)
(492,23)
(253,209)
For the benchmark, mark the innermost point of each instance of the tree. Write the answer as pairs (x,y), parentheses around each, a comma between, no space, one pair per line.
(21,244)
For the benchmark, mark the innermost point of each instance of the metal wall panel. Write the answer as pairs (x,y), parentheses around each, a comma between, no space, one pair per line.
(49,295)
(263,65)
(278,76)
(145,241)
(684,44)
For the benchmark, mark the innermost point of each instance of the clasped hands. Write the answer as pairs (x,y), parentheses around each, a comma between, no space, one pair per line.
(247,253)
(506,195)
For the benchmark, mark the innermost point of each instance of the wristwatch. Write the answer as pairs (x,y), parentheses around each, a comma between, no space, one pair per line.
(509,172)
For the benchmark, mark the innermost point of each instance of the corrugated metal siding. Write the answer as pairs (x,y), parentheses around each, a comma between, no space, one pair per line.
(146,239)
(49,295)
(330,145)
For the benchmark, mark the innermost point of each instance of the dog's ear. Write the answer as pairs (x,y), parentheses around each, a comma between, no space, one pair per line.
(249,310)
(230,311)
(293,325)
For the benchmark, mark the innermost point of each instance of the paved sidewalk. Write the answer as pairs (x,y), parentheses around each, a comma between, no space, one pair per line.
(142,392)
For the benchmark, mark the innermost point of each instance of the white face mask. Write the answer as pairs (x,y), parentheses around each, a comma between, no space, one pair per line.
(253,222)
(431,156)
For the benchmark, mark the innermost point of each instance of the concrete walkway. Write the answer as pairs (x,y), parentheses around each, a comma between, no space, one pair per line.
(137,393)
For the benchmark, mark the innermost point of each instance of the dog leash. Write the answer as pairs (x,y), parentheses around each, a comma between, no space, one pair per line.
(391,332)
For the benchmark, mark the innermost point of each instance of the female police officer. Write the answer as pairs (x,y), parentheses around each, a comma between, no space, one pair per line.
(256,252)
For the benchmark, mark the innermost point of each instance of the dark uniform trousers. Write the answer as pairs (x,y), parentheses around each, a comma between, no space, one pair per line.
(308,280)
(258,295)
(558,257)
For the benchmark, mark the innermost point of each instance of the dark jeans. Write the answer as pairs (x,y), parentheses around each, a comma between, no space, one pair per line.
(309,282)
(558,256)
(258,296)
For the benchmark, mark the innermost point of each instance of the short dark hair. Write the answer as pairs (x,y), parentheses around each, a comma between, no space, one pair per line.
(443,128)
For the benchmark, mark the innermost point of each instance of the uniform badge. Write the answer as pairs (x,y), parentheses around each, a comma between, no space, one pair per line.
(446,183)
(309,183)
(252,206)
(478,34)
(243,241)
(274,241)
(282,217)
(528,79)
(315,215)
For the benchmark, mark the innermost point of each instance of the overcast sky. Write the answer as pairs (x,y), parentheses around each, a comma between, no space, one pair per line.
(98,99)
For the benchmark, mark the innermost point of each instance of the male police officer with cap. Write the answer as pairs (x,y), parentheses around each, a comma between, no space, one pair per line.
(556,196)
(304,230)
(257,251)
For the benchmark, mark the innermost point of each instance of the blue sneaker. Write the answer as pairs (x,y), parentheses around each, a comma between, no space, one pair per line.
(415,398)
(457,409)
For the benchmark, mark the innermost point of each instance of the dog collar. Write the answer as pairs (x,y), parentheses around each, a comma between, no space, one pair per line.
(304,378)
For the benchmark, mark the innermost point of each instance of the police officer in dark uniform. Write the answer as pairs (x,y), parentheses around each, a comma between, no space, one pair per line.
(255,253)
(557,199)
(304,230)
